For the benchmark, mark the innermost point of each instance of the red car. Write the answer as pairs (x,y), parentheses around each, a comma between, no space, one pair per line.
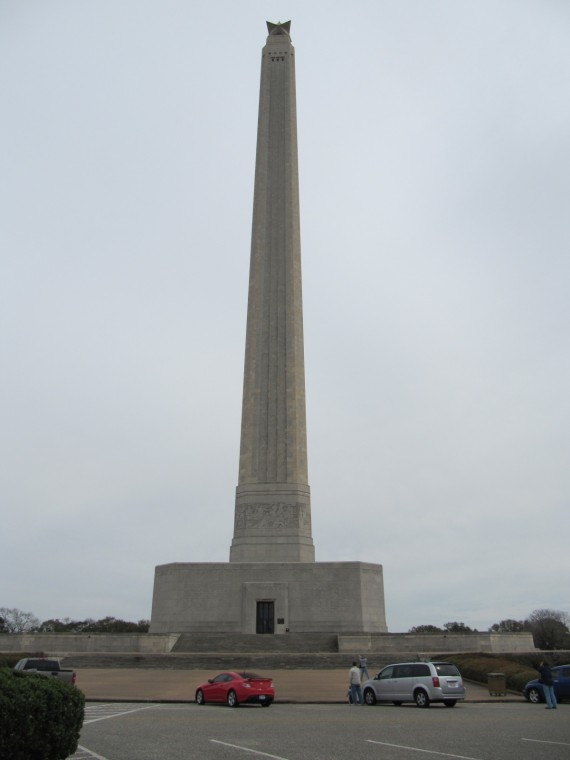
(236,688)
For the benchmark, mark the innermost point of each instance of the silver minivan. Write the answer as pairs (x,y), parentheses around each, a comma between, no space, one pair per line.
(419,682)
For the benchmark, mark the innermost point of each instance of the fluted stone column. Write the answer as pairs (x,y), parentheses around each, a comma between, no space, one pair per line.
(273,509)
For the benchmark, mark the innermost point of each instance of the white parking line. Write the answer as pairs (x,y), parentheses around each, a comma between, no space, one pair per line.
(545,741)
(246,749)
(429,751)
(116,714)
(90,754)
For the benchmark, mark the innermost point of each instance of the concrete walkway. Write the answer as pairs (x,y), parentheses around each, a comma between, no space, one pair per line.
(154,685)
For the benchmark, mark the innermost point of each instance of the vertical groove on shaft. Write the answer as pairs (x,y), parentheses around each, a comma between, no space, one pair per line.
(273,499)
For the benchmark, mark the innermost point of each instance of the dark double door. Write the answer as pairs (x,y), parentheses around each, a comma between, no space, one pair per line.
(265,620)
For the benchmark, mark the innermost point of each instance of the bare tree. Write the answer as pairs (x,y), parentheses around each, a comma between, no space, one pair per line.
(549,628)
(456,627)
(508,626)
(16,621)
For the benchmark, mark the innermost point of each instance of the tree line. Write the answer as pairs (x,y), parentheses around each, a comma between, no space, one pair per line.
(15,621)
(550,628)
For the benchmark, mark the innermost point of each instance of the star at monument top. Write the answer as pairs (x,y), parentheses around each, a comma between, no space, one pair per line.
(279,28)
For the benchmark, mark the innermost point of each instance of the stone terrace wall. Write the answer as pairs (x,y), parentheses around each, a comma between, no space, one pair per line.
(84,642)
(439,643)
(348,645)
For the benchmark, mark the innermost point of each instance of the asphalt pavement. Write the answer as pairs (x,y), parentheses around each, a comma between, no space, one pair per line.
(175,731)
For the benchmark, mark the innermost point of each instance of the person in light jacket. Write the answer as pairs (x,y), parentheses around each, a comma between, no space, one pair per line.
(354,683)
(363,662)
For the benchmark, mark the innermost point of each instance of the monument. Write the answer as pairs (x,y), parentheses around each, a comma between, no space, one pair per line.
(272,583)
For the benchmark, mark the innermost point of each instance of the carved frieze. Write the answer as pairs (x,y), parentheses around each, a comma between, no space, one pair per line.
(279,515)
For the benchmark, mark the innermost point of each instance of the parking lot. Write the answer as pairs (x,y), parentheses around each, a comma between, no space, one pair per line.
(477,731)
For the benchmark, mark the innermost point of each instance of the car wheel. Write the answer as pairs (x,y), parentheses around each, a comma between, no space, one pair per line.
(369,697)
(266,704)
(232,699)
(200,697)
(534,696)
(421,698)
(450,702)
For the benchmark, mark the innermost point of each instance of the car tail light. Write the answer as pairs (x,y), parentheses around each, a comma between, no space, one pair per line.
(73,677)
(435,681)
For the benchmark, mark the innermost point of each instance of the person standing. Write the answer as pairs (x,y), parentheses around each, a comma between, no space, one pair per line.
(547,685)
(354,683)
(363,662)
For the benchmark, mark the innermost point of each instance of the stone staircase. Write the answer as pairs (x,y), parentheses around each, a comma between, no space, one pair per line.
(223,651)
(323,643)
(215,661)
(219,651)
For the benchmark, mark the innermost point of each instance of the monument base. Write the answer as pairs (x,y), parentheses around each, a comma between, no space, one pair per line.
(268,597)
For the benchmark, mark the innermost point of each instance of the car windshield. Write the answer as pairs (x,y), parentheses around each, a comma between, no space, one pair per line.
(256,676)
(446,669)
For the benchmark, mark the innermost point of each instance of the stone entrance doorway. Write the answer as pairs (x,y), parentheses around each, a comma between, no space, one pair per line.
(265,619)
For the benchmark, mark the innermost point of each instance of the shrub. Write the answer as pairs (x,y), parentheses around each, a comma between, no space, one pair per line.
(517,670)
(40,718)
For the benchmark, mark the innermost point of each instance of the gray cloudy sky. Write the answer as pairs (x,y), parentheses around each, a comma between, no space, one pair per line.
(434,140)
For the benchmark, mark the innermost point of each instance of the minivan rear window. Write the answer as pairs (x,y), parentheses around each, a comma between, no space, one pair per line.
(446,669)
(411,670)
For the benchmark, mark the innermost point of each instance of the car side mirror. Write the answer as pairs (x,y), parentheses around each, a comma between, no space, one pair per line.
(210,680)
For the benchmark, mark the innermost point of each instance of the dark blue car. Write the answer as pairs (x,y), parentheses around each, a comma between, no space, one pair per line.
(561,677)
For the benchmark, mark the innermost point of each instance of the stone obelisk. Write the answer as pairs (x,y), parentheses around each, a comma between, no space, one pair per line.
(272,584)
(273,509)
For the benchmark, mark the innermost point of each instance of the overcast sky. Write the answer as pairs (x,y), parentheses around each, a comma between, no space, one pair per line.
(434,150)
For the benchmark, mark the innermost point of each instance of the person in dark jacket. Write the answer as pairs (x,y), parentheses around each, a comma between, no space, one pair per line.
(547,685)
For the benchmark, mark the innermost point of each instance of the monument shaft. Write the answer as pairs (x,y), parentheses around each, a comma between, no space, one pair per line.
(273,511)
(272,584)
